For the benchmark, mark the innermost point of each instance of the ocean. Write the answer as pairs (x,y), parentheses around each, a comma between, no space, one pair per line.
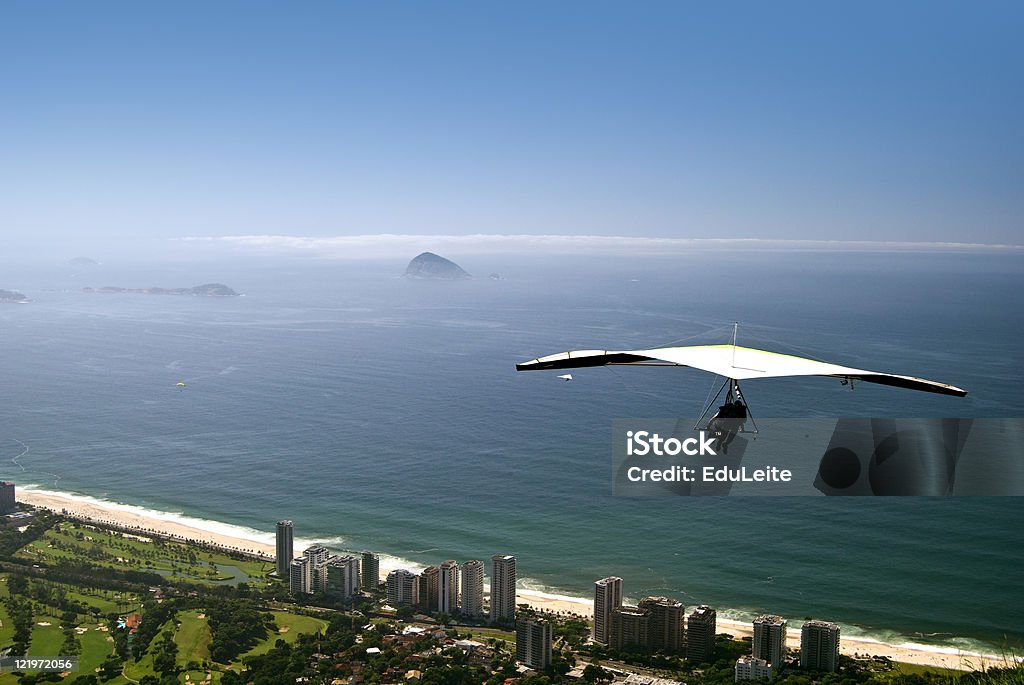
(386,414)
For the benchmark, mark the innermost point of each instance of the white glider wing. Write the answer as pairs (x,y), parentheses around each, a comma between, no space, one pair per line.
(733,361)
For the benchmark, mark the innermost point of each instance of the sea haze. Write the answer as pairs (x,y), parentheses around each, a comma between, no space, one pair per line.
(386,414)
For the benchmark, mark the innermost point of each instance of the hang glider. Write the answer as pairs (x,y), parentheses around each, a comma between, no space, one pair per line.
(734,362)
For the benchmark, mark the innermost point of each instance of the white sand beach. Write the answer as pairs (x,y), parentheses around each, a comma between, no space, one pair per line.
(137,522)
(141,524)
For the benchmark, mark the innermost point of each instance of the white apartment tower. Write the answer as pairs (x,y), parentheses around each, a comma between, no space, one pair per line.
(503,587)
(317,554)
(472,601)
(607,598)
(403,587)
(304,572)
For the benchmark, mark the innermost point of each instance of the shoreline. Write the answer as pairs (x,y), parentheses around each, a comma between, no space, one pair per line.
(137,520)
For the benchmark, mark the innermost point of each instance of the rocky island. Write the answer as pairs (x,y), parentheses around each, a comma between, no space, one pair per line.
(430,265)
(13,296)
(205,290)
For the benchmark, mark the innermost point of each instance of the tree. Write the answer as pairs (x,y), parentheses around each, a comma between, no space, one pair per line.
(165,656)
(71,646)
(231,678)
(236,625)
(111,667)
(592,673)
(87,679)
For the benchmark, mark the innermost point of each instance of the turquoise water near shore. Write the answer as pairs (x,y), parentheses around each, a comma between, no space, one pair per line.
(379,413)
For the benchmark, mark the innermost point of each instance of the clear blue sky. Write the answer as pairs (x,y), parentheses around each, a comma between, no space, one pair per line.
(888,121)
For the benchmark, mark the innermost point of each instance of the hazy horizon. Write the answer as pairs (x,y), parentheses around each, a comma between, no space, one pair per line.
(512,250)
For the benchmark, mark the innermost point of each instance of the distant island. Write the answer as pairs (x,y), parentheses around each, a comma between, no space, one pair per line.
(12,296)
(430,265)
(205,290)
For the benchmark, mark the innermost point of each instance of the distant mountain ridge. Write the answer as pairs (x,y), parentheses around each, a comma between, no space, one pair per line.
(430,265)
(205,290)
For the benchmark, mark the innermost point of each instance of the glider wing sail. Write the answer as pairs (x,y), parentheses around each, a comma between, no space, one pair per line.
(733,361)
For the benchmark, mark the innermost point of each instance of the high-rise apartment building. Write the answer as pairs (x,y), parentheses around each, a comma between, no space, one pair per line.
(629,626)
(317,554)
(819,646)
(285,547)
(472,600)
(503,587)
(666,624)
(370,574)
(339,577)
(299,575)
(304,572)
(658,623)
(448,587)
(403,587)
(607,598)
(701,628)
(8,499)
(429,587)
(770,639)
(533,643)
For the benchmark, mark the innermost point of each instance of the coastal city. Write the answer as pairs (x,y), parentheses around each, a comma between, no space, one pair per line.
(448,622)
(654,624)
